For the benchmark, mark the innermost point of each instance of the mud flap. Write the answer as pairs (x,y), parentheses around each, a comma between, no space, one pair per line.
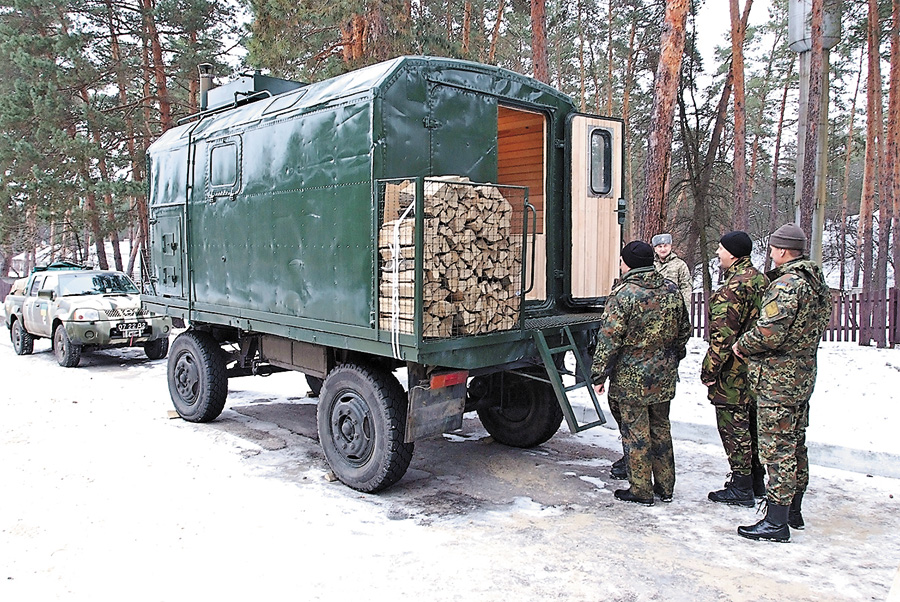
(436,406)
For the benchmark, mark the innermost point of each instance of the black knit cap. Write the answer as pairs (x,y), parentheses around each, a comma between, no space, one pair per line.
(637,254)
(737,243)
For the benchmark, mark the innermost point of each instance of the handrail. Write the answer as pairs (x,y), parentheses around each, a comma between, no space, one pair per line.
(530,207)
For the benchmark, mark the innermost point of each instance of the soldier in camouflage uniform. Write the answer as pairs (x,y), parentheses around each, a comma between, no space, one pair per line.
(641,339)
(673,267)
(733,310)
(781,351)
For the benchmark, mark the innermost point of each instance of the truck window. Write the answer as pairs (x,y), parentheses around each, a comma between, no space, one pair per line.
(601,161)
(96,284)
(50,281)
(36,286)
(223,165)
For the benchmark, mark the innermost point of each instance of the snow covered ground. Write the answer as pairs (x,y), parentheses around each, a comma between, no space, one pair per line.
(105,497)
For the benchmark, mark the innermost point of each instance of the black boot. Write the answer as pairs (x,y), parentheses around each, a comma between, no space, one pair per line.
(759,481)
(619,470)
(738,492)
(795,517)
(772,528)
(626,496)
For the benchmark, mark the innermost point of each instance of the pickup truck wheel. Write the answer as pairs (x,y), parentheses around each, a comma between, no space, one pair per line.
(68,354)
(198,384)
(362,420)
(22,342)
(156,350)
(526,413)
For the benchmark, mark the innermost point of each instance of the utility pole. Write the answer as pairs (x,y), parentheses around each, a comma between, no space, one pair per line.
(800,41)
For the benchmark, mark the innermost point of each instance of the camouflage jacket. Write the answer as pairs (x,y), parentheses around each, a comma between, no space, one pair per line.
(733,309)
(781,347)
(642,338)
(675,269)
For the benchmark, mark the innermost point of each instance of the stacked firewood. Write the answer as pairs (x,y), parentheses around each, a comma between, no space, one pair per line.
(472,265)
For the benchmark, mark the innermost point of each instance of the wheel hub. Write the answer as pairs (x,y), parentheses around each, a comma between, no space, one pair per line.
(351,428)
(187,378)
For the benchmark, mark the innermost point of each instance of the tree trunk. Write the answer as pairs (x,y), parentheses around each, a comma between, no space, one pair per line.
(653,214)
(495,34)
(159,67)
(884,169)
(741,199)
(467,26)
(760,115)
(609,58)
(867,205)
(846,190)
(539,41)
(893,134)
(701,176)
(810,157)
(626,114)
(773,200)
(581,70)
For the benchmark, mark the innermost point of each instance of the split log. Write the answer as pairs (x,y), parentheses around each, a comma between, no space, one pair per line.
(472,262)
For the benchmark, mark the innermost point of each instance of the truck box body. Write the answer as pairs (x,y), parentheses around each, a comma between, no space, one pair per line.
(282,217)
(263,216)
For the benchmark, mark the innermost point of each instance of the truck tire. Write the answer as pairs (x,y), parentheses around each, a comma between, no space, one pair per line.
(315,385)
(361,419)
(68,354)
(528,415)
(22,342)
(198,384)
(156,350)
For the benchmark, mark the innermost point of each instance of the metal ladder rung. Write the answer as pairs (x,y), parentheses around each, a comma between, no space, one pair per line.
(556,382)
(556,350)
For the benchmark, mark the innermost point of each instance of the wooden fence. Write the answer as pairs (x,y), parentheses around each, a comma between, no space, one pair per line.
(854,316)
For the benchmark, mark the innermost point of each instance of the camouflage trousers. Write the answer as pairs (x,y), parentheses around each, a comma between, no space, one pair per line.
(782,448)
(738,431)
(647,439)
(616,412)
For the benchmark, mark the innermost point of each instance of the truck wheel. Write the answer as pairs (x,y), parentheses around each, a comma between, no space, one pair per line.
(22,342)
(156,350)
(528,414)
(315,385)
(362,419)
(68,354)
(196,374)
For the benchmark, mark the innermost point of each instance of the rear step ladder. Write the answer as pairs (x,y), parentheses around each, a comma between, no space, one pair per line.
(556,381)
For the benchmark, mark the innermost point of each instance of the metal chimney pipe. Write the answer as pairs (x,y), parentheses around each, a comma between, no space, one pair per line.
(206,76)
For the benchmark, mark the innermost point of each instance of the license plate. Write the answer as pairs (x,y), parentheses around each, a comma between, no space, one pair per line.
(132,329)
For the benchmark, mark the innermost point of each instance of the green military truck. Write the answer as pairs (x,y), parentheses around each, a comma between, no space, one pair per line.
(454,219)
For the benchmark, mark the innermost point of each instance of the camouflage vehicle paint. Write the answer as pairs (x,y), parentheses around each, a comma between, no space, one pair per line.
(82,310)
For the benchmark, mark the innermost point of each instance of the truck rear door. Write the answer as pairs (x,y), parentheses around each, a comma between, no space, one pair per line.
(595,150)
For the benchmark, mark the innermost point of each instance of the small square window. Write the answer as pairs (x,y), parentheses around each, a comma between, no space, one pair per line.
(223,165)
(601,161)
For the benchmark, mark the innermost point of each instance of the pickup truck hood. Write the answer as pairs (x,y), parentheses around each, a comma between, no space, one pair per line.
(114,306)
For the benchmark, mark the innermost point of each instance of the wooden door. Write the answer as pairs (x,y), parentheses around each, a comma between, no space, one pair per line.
(596,155)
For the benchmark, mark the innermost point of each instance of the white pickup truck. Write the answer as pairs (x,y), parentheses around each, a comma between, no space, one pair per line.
(81,309)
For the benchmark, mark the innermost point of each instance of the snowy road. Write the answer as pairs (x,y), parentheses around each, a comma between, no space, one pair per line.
(105,497)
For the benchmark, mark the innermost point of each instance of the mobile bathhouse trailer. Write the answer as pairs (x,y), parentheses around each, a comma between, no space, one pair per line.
(454,219)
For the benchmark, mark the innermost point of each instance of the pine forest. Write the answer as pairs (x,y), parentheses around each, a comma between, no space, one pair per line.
(711,141)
